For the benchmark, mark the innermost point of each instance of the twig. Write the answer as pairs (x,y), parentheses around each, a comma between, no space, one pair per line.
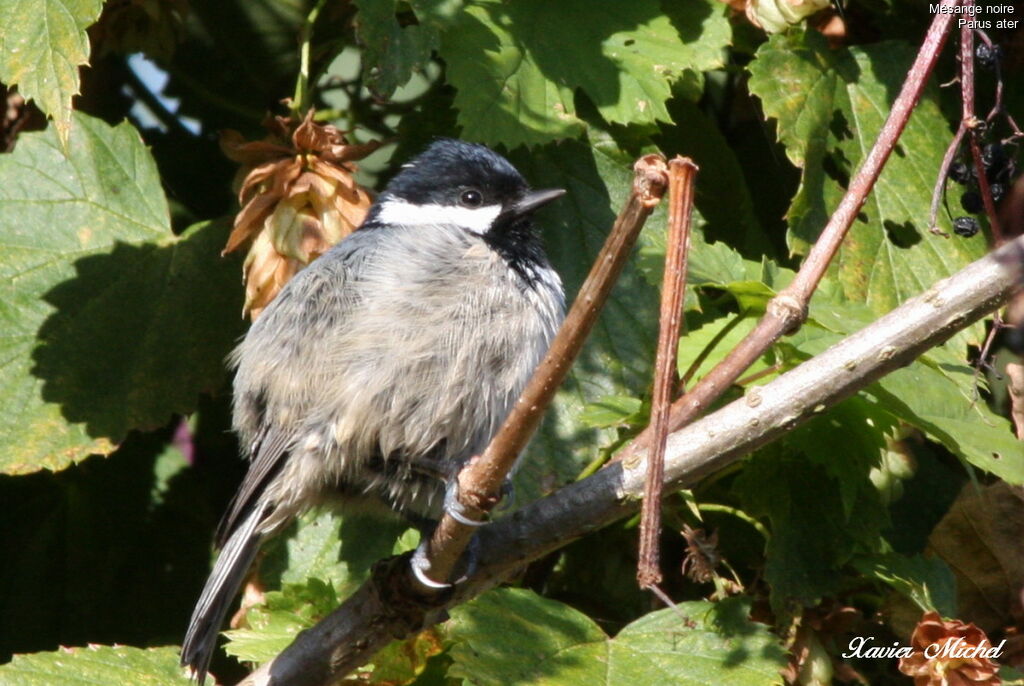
(300,101)
(682,177)
(943,178)
(788,310)
(384,608)
(481,480)
(971,121)
(997,106)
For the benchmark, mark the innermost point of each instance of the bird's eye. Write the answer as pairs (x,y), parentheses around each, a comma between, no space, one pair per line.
(471,197)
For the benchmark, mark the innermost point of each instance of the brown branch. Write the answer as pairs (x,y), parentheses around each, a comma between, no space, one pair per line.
(787,311)
(385,607)
(481,480)
(939,191)
(682,177)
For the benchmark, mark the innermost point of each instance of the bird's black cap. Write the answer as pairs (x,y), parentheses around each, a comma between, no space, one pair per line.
(446,168)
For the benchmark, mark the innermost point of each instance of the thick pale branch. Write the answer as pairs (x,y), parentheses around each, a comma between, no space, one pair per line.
(386,607)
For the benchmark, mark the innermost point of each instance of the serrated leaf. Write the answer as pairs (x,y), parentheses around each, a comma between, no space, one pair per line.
(927,581)
(42,45)
(274,625)
(830,105)
(391,52)
(502,94)
(813,535)
(937,403)
(717,645)
(752,283)
(96,665)
(492,633)
(723,195)
(516,65)
(710,644)
(111,322)
(330,547)
(864,427)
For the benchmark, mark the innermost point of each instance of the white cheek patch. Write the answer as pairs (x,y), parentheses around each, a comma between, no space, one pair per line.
(475,219)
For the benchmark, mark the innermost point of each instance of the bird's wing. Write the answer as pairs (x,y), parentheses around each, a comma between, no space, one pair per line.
(268,456)
(314,303)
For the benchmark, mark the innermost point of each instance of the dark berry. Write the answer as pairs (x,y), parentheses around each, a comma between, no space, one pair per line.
(971,202)
(965,226)
(997,190)
(993,158)
(960,172)
(987,56)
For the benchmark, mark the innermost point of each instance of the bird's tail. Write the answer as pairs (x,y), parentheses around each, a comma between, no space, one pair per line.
(221,587)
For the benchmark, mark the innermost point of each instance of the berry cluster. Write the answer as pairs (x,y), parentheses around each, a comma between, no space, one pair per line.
(988,55)
(999,171)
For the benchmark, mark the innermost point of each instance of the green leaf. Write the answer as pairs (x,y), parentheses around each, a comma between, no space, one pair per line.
(492,633)
(864,427)
(813,534)
(710,644)
(401,662)
(938,393)
(391,53)
(96,665)
(717,644)
(927,581)
(830,105)
(611,410)
(274,625)
(1010,676)
(503,95)
(112,323)
(42,45)
(943,403)
(330,547)
(516,65)
(714,340)
(752,283)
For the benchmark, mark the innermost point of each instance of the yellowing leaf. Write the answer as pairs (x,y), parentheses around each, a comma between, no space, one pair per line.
(42,45)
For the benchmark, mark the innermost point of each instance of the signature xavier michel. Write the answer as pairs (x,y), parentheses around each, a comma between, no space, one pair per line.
(957,648)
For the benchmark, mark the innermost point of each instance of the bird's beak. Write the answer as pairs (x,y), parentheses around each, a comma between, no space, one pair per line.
(531,201)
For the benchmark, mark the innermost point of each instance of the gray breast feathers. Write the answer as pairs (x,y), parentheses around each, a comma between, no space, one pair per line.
(390,360)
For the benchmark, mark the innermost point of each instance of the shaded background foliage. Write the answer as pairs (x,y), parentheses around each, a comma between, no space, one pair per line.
(117,312)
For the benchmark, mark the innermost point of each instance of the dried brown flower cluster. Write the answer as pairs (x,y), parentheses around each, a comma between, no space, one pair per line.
(702,556)
(299,197)
(950,653)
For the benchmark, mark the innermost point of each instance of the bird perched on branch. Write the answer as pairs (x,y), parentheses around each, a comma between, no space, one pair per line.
(380,369)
